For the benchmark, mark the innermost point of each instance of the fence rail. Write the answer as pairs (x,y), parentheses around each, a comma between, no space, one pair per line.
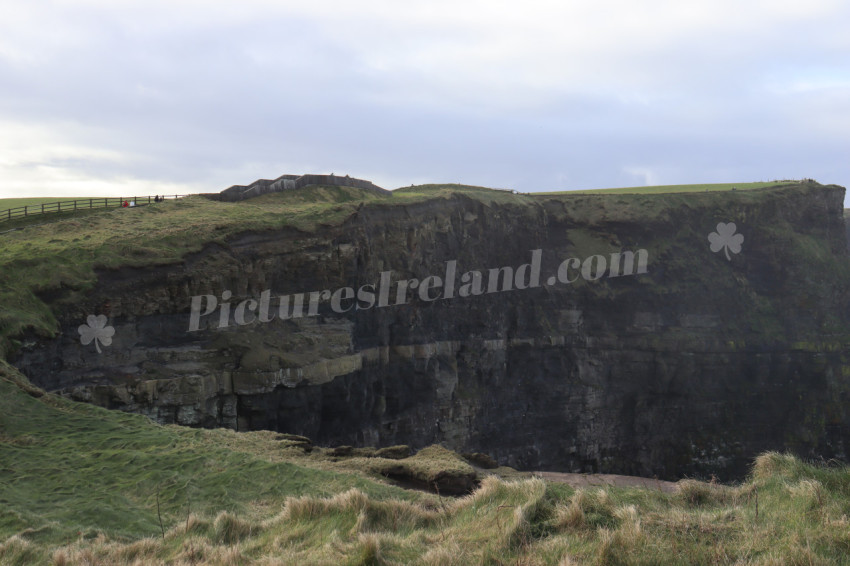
(80,204)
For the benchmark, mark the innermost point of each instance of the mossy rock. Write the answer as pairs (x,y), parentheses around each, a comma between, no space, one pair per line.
(294,438)
(481,460)
(433,468)
(346,451)
(296,441)
(398,452)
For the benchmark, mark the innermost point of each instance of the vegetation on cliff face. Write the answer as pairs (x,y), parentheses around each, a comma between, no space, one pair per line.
(45,256)
(62,252)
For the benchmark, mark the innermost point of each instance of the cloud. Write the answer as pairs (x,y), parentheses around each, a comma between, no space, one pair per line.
(201,95)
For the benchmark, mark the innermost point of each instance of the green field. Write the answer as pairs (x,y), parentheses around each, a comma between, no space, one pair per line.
(431,189)
(700,188)
(11,209)
(16,212)
(6,203)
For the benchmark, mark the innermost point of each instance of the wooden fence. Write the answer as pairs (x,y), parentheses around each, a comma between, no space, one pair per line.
(79,204)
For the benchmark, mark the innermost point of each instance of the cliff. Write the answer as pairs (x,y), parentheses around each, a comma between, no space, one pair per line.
(636,334)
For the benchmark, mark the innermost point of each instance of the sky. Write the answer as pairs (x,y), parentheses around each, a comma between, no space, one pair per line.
(138,98)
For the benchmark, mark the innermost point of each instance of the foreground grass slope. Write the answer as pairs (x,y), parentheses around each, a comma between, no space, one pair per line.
(82,485)
(69,469)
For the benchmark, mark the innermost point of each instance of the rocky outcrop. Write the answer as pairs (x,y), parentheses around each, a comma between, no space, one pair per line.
(691,362)
(291,182)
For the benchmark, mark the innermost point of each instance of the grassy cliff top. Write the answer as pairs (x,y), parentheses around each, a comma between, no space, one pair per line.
(431,190)
(696,188)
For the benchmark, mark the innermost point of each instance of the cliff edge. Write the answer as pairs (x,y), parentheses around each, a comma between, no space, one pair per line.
(656,335)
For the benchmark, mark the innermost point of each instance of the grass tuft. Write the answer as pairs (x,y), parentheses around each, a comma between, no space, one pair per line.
(17,551)
(771,464)
(230,529)
(696,493)
(586,510)
(368,552)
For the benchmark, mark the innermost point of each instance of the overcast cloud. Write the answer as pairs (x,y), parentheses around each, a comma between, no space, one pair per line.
(117,98)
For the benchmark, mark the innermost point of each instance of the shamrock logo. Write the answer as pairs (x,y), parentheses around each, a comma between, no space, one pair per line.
(726,239)
(96,330)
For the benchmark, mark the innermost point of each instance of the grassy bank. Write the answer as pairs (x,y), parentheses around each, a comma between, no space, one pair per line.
(82,485)
(71,469)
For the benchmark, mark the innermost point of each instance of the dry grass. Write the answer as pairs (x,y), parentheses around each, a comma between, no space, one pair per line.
(527,522)
(771,464)
(586,510)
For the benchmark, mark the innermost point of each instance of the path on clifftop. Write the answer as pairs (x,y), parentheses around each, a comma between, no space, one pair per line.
(606,480)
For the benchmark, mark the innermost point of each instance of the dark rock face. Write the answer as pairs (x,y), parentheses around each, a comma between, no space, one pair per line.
(692,367)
